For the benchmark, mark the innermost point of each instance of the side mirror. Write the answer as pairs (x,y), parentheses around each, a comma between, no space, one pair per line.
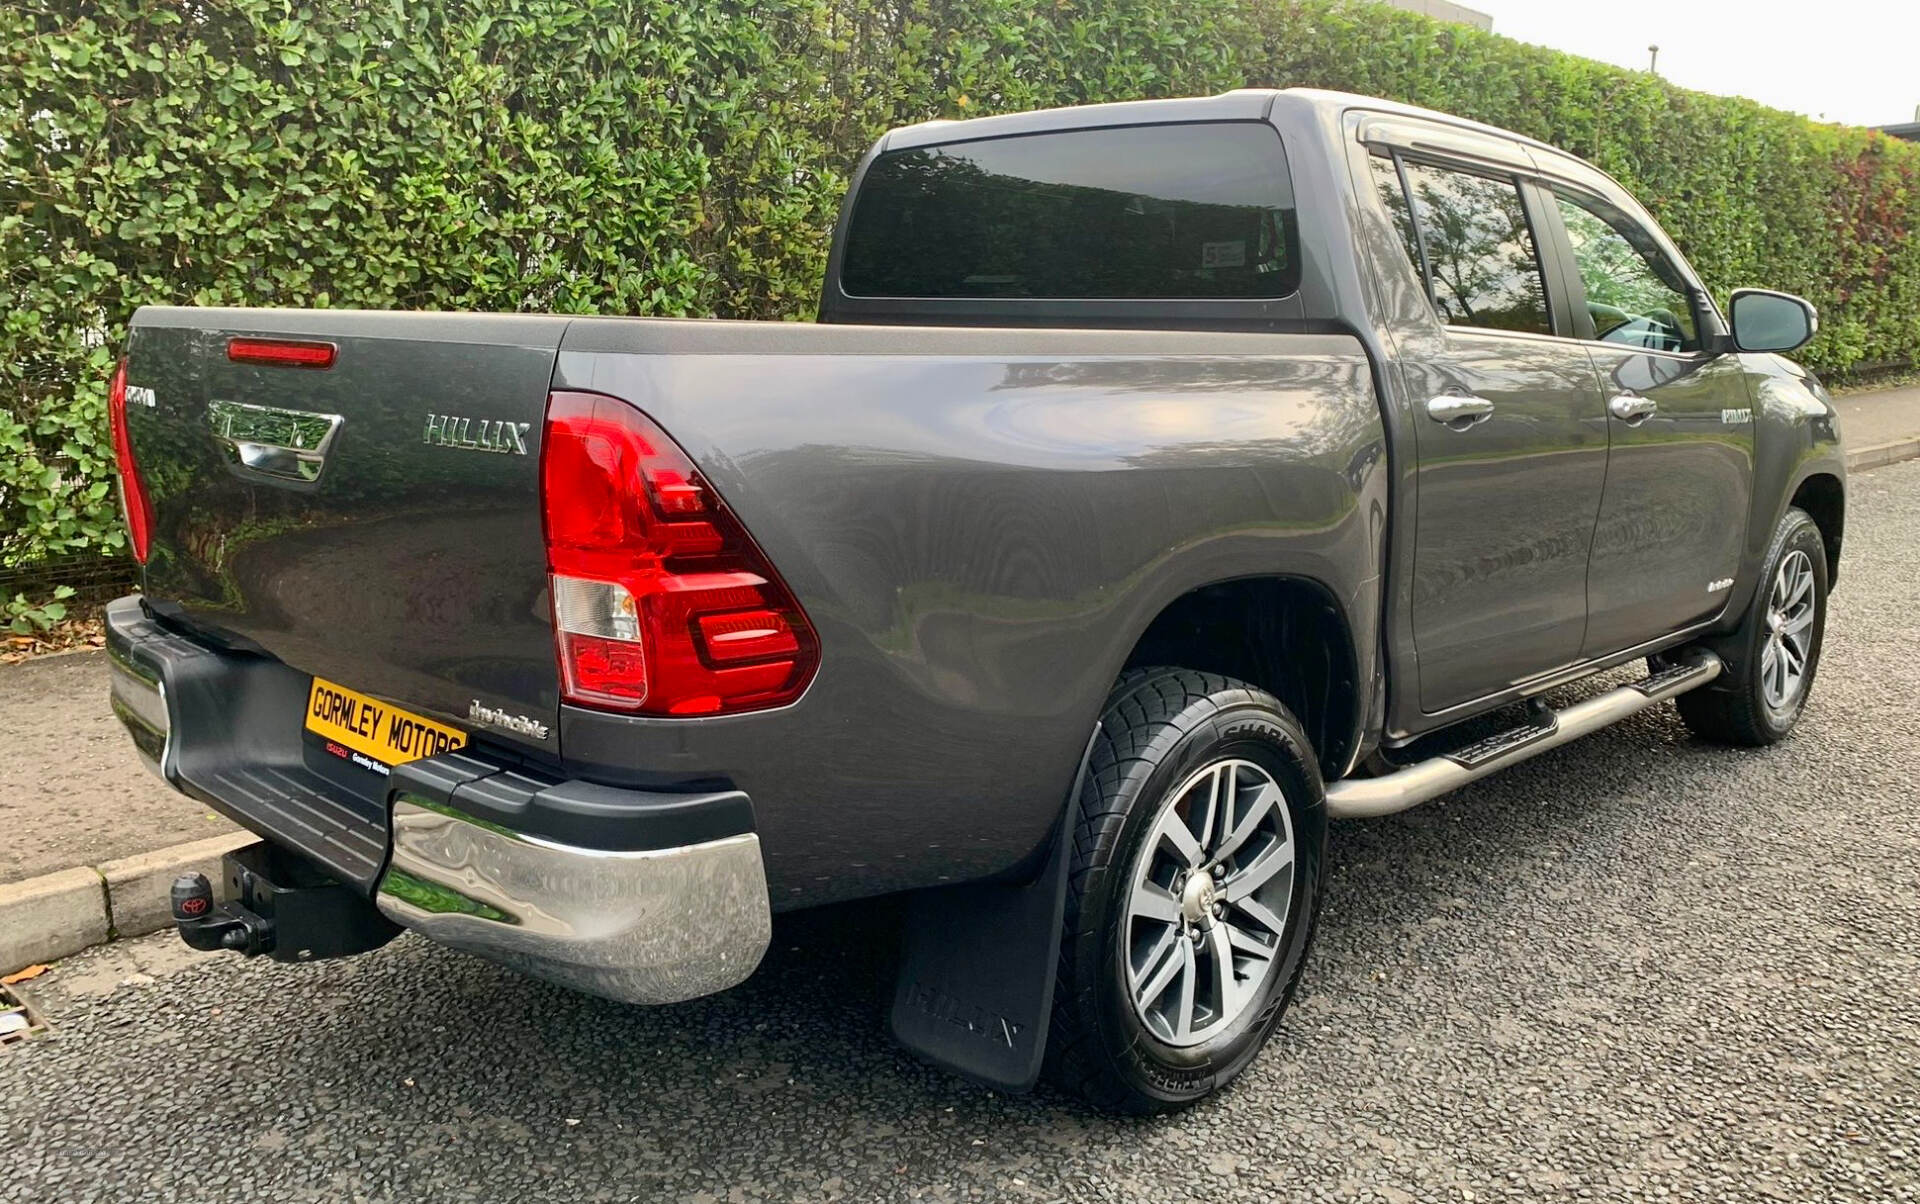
(1768,321)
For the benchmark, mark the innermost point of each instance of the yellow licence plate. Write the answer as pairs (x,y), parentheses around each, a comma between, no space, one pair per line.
(374,729)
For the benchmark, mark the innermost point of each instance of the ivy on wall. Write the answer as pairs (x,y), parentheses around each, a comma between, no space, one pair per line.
(689,156)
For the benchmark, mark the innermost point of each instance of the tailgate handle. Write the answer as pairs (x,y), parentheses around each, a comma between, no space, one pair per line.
(286,445)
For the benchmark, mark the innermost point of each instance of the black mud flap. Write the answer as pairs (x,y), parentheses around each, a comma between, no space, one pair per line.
(976,981)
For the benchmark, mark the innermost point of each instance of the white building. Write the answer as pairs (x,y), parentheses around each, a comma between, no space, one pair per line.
(1444,10)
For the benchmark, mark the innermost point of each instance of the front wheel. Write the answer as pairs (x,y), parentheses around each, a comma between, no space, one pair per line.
(1771,659)
(1195,879)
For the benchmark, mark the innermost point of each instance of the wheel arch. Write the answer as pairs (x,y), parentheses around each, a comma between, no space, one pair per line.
(1824,498)
(1286,634)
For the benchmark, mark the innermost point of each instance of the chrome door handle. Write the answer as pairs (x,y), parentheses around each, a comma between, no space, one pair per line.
(1460,413)
(1632,409)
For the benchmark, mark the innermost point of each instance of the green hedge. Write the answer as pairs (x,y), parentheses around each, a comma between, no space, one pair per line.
(687,157)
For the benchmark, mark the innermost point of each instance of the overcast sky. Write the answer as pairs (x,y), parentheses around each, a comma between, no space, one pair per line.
(1856,61)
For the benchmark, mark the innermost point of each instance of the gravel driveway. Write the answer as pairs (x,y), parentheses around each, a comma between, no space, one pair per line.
(1637,968)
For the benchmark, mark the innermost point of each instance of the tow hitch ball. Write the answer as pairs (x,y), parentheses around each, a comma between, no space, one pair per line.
(205,924)
(280,905)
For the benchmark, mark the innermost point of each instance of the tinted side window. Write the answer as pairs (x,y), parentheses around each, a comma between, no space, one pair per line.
(1480,250)
(1634,292)
(1171,211)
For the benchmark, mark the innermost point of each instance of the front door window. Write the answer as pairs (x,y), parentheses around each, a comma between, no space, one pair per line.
(1635,295)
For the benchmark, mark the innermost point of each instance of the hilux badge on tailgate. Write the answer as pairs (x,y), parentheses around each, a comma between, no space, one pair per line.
(486,435)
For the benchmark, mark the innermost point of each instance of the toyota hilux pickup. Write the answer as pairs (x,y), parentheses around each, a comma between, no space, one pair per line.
(1160,481)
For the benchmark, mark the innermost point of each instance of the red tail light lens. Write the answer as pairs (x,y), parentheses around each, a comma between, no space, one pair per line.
(290,353)
(662,603)
(133,493)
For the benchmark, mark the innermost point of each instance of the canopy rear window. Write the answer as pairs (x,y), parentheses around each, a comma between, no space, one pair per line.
(1191,211)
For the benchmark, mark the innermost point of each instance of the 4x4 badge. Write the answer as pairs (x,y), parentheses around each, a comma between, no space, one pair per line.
(486,435)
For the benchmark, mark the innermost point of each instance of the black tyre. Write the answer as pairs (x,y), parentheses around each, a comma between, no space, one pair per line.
(1198,843)
(1772,658)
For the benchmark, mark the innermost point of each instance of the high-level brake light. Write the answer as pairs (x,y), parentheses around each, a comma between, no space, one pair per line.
(292,353)
(662,603)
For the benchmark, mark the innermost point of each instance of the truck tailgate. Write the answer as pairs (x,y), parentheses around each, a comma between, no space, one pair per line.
(374,522)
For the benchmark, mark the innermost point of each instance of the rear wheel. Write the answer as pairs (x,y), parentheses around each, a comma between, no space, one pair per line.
(1771,659)
(1194,884)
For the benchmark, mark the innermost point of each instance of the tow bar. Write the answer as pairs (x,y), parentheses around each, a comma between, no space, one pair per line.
(279,905)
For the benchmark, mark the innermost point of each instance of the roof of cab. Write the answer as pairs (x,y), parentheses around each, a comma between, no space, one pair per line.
(1246,104)
(1243,104)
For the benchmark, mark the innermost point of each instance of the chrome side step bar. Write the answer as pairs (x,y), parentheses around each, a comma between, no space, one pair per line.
(1363,798)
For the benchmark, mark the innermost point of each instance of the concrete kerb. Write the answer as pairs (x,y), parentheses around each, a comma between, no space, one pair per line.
(57,915)
(51,916)
(138,886)
(1882,454)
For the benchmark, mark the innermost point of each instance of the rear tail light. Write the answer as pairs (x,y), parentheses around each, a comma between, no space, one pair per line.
(133,492)
(662,603)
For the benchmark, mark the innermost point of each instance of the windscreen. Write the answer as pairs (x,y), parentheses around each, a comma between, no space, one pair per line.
(1192,211)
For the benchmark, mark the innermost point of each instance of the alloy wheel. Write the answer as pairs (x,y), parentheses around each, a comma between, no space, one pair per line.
(1208,906)
(1791,609)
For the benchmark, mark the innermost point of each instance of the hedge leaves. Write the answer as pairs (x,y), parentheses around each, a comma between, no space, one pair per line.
(688,157)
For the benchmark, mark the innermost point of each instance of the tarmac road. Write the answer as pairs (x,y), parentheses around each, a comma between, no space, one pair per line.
(1638,968)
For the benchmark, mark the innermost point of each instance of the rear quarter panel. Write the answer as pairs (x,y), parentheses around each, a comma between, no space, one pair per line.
(980,523)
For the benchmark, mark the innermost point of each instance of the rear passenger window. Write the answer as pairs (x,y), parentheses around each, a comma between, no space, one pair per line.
(1483,266)
(1195,211)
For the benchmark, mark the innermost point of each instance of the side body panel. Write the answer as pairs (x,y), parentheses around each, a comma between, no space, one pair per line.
(1796,438)
(1679,482)
(1794,433)
(1495,522)
(980,523)
(1748,474)
(1505,522)
(1673,522)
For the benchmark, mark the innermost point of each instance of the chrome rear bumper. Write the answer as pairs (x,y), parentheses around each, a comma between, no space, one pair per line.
(650,926)
(640,896)
(139,701)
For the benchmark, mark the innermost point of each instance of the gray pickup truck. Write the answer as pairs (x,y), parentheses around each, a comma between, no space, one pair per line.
(1160,481)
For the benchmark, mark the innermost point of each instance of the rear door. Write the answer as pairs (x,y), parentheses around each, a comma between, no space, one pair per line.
(373,520)
(1510,427)
(1680,423)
